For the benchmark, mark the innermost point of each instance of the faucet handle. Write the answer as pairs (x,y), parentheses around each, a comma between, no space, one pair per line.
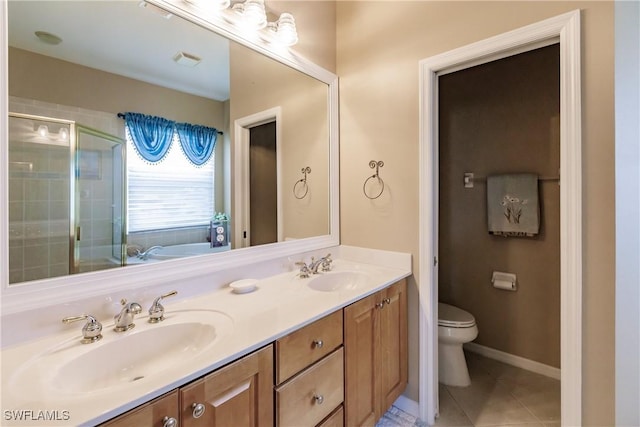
(91,331)
(326,263)
(156,311)
(304,269)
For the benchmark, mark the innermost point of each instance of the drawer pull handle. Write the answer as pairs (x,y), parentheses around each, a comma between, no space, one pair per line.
(380,304)
(317,343)
(169,422)
(386,301)
(318,398)
(198,410)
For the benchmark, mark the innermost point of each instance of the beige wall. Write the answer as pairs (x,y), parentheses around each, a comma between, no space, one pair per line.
(496,119)
(258,84)
(379,45)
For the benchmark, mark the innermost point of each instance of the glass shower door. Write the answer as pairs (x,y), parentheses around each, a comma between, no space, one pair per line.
(100,218)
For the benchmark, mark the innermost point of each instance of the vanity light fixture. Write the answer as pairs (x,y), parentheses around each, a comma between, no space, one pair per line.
(253,13)
(210,5)
(283,31)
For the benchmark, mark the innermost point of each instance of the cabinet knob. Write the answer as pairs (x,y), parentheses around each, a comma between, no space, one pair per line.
(380,304)
(198,410)
(318,398)
(169,422)
(317,343)
(386,301)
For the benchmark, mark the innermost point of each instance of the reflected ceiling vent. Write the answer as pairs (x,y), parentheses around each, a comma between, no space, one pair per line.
(186,59)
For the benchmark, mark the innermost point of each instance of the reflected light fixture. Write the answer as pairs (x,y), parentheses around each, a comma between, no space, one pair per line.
(253,13)
(63,134)
(284,30)
(43,131)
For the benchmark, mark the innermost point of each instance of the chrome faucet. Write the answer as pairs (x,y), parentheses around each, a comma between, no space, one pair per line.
(156,312)
(124,320)
(91,331)
(145,255)
(324,264)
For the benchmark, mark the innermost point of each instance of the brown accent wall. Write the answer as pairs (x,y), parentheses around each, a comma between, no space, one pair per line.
(502,117)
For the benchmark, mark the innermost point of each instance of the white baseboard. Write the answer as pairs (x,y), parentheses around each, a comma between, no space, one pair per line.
(510,359)
(409,406)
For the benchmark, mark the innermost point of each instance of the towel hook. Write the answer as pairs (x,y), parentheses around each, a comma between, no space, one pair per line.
(374,165)
(301,184)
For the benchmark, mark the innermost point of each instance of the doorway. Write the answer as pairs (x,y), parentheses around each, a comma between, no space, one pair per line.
(565,30)
(263,184)
(257,145)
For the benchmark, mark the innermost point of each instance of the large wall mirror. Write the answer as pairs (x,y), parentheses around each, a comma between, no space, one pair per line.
(81,198)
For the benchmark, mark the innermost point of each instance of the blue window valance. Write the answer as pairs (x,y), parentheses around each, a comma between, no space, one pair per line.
(152,138)
(197,142)
(151,135)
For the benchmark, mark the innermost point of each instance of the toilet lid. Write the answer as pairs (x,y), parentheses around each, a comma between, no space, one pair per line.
(454,317)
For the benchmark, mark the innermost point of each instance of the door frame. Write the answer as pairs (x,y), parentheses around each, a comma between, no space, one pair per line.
(241,188)
(565,30)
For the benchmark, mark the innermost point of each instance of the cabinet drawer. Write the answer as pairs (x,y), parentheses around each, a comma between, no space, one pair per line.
(305,346)
(334,420)
(313,394)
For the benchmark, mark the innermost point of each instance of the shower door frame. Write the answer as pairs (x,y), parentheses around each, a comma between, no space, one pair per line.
(74,136)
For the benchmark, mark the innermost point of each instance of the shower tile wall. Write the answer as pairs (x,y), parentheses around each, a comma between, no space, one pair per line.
(34,262)
(38,211)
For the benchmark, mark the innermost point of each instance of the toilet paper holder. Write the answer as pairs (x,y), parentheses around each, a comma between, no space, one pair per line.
(506,281)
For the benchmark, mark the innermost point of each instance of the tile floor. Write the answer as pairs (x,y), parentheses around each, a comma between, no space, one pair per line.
(500,395)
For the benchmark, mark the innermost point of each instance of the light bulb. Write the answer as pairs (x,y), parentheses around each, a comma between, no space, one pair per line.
(286,30)
(63,134)
(253,13)
(43,131)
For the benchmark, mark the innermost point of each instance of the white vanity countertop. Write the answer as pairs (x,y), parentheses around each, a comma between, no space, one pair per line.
(245,322)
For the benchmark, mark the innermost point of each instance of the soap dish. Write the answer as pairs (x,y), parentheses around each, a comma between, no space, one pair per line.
(243,286)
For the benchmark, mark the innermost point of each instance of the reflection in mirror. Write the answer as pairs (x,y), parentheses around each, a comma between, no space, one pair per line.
(68,205)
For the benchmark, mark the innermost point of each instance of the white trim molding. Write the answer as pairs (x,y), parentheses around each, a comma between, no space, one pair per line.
(242,191)
(564,29)
(513,360)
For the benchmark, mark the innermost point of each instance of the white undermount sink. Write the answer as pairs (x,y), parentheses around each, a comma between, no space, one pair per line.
(338,281)
(120,359)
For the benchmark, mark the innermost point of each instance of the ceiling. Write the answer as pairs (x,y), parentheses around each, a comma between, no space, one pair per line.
(124,38)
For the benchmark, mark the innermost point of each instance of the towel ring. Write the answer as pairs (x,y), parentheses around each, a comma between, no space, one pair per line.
(302,184)
(377,165)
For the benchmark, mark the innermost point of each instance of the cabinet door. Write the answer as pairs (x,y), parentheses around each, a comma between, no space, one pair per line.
(240,394)
(150,414)
(392,371)
(361,359)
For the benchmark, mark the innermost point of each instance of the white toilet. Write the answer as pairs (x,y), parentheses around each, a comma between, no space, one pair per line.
(455,327)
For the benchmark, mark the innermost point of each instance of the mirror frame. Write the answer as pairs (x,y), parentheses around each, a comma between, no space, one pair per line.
(46,292)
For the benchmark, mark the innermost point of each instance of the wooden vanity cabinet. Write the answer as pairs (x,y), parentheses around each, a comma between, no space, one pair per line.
(310,374)
(345,369)
(375,341)
(240,394)
(156,413)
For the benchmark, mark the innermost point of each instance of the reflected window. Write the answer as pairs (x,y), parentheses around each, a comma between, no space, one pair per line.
(170,194)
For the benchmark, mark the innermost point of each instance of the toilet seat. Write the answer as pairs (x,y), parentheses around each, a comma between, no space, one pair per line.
(454,317)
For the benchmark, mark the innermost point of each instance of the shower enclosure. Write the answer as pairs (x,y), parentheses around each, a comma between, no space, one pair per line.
(66,198)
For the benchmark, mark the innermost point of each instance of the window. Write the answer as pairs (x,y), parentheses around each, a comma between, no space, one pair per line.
(172,193)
